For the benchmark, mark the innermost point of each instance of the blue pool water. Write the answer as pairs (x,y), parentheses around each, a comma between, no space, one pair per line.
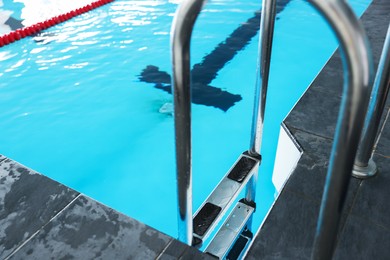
(76,107)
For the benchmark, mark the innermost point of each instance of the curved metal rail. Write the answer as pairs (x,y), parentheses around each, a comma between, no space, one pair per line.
(181,35)
(365,166)
(358,76)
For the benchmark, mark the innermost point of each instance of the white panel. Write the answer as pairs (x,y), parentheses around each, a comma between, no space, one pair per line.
(287,156)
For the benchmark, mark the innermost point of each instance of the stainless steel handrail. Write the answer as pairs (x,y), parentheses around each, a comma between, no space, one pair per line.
(267,22)
(180,40)
(358,76)
(365,166)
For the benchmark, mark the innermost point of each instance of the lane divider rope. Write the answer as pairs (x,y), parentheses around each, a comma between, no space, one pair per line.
(38,27)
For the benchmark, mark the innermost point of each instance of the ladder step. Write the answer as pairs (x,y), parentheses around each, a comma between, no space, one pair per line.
(215,206)
(241,169)
(240,246)
(232,238)
(206,216)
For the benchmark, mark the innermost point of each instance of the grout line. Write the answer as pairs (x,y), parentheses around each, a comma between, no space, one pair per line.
(165,249)
(349,213)
(308,132)
(385,121)
(39,230)
(382,155)
(369,220)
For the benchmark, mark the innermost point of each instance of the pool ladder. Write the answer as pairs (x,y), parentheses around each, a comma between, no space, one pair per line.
(235,234)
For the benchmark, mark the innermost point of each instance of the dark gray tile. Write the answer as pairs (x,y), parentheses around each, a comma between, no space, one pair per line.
(363,240)
(372,201)
(375,23)
(89,230)
(173,251)
(331,78)
(28,201)
(309,176)
(376,29)
(308,179)
(288,231)
(316,113)
(192,253)
(383,147)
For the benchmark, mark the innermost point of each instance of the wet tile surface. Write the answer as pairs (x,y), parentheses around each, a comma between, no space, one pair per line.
(383,147)
(315,113)
(309,176)
(311,169)
(288,230)
(173,251)
(332,70)
(331,78)
(89,230)
(28,201)
(372,202)
(192,253)
(370,242)
(42,219)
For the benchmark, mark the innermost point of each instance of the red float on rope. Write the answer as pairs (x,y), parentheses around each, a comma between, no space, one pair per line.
(46,24)
(61,18)
(17,36)
(36,28)
(21,33)
(30,30)
(6,40)
(11,38)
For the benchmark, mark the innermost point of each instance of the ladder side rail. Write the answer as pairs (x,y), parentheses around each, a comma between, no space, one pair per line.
(364,166)
(267,23)
(181,31)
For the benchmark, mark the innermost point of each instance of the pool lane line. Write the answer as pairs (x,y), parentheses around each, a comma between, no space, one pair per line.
(203,73)
(34,29)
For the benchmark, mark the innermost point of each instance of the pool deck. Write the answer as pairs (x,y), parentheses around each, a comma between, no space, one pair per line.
(41,219)
(288,232)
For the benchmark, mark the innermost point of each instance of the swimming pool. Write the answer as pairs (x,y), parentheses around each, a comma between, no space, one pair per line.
(78,107)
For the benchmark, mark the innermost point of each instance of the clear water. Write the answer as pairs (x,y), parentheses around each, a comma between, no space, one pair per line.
(74,108)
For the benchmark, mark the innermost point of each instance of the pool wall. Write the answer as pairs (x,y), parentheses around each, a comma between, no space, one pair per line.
(288,153)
